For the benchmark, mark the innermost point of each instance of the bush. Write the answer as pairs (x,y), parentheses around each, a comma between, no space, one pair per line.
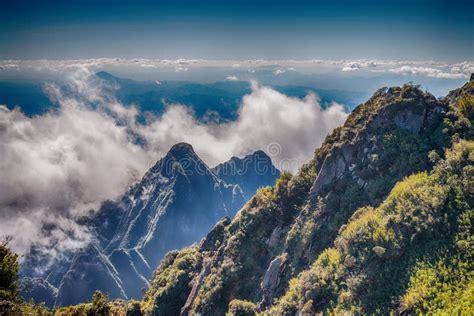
(466,106)
(241,308)
(9,268)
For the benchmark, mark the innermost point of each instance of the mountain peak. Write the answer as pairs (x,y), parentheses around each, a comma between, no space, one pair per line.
(181,147)
(261,155)
(182,151)
(251,172)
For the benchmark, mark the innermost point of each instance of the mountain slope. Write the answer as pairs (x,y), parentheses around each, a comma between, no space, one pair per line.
(401,255)
(283,231)
(175,204)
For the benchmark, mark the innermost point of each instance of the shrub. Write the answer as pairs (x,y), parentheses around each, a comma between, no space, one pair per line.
(9,268)
(241,308)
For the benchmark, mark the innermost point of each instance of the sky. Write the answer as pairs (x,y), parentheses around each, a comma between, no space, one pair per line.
(415,30)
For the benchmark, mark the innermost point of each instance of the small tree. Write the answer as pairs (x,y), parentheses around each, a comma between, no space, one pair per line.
(100,303)
(9,268)
(241,308)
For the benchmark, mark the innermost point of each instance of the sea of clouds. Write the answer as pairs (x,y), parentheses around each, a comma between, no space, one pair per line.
(58,166)
(427,68)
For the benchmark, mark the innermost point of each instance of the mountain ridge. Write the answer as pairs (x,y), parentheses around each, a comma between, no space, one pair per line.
(175,203)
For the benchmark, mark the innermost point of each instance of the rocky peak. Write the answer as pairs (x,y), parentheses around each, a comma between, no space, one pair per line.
(405,109)
(182,150)
(251,172)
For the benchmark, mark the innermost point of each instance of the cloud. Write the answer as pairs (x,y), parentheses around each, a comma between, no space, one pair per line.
(279,72)
(57,166)
(433,69)
(232,78)
(350,68)
(430,72)
(265,117)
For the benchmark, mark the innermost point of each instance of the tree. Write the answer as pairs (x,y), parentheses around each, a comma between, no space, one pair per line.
(100,303)
(9,268)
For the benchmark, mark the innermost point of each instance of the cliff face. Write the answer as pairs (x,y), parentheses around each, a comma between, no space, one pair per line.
(175,204)
(286,230)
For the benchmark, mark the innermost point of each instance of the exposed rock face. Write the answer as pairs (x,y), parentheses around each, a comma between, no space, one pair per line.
(410,113)
(175,204)
(271,280)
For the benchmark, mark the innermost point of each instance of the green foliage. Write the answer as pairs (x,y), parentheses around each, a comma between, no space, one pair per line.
(75,310)
(243,258)
(466,106)
(447,285)
(10,302)
(171,282)
(241,308)
(415,248)
(98,306)
(9,268)
(100,303)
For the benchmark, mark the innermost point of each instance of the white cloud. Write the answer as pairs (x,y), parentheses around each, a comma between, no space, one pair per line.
(430,72)
(231,78)
(350,68)
(57,166)
(439,69)
(279,72)
(265,117)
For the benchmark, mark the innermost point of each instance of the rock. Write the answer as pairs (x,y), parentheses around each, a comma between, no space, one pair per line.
(216,234)
(196,286)
(274,237)
(332,168)
(271,279)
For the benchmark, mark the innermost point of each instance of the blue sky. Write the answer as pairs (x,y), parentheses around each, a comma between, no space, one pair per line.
(438,30)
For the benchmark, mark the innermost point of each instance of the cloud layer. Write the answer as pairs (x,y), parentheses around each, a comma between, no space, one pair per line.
(57,166)
(428,68)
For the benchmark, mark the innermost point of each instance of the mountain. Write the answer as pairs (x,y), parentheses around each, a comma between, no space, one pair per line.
(217,100)
(174,205)
(379,222)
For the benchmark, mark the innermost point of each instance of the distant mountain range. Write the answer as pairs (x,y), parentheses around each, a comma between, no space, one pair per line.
(216,101)
(174,205)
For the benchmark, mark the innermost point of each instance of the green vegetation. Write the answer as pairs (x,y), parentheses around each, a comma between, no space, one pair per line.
(466,106)
(241,308)
(420,236)
(10,302)
(9,268)
(171,283)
